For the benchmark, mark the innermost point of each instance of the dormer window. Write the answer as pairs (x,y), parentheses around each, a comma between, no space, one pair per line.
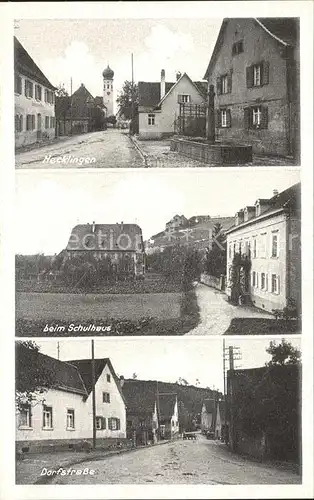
(258,210)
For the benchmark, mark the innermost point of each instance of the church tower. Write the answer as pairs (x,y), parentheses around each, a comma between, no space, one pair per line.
(108,89)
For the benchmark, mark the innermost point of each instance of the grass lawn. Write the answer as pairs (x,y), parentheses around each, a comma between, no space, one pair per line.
(262,326)
(40,314)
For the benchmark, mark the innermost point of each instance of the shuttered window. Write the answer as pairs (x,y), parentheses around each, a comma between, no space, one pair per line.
(257,75)
(17,84)
(224,84)
(256,117)
(223,118)
(114,424)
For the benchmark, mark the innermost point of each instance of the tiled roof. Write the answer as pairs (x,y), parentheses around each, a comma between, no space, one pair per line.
(109,237)
(210,405)
(84,367)
(149,93)
(289,199)
(24,64)
(65,376)
(285,29)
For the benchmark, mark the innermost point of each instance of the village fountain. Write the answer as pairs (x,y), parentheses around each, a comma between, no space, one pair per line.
(209,150)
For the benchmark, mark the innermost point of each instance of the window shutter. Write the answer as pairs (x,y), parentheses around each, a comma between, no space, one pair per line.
(247,115)
(265,73)
(228,117)
(103,422)
(278,284)
(110,423)
(230,82)
(218,118)
(118,424)
(218,85)
(249,77)
(264,117)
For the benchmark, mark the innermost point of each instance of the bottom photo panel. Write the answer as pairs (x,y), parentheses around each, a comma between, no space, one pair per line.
(206,411)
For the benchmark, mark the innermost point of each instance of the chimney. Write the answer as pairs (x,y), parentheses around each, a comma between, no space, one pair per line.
(121,381)
(93,227)
(275,192)
(178,75)
(162,83)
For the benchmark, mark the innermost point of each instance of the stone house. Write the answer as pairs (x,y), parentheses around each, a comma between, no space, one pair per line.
(62,416)
(255,68)
(34,100)
(268,236)
(120,244)
(159,104)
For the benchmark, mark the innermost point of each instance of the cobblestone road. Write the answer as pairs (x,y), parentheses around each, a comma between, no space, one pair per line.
(180,462)
(216,312)
(111,149)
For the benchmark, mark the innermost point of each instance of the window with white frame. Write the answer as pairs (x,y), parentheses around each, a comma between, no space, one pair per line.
(46,121)
(28,88)
(100,423)
(47,417)
(230,251)
(256,115)
(38,92)
(254,278)
(224,84)
(275,283)
(254,248)
(25,416)
(184,98)
(70,419)
(264,281)
(105,397)
(223,117)
(114,424)
(257,75)
(151,119)
(274,245)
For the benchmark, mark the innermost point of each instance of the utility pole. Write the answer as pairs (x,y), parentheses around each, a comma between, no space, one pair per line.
(230,355)
(93,396)
(58,349)
(132,96)
(71,103)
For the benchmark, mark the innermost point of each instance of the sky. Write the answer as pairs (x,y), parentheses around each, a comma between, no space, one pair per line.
(81,49)
(49,204)
(166,359)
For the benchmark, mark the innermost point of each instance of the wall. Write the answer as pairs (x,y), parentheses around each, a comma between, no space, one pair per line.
(258,46)
(212,281)
(263,299)
(61,401)
(30,106)
(295,288)
(170,109)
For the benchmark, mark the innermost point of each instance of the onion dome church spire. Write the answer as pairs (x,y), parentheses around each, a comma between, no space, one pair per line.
(108,75)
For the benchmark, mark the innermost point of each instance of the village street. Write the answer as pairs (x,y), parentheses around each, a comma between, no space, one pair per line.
(216,312)
(111,148)
(180,462)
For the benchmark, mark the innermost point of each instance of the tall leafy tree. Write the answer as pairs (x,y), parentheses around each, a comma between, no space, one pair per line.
(128,97)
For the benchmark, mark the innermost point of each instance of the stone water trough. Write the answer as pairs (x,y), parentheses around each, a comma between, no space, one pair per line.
(209,150)
(218,153)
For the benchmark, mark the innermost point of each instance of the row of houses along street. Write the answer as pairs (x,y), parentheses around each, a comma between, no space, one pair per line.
(79,414)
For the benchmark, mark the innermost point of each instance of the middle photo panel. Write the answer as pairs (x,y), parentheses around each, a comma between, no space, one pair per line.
(157,252)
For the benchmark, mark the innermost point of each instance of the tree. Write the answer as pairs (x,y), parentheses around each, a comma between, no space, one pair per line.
(283,354)
(127,96)
(134,376)
(63,104)
(216,257)
(182,381)
(32,376)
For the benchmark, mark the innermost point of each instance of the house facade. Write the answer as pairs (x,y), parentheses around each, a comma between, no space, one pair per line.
(268,236)
(168,418)
(208,415)
(34,100)
(255,69)
(159,104)
(120,245)
(62,416)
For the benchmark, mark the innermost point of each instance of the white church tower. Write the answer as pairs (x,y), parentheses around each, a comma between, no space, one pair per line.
(108,89)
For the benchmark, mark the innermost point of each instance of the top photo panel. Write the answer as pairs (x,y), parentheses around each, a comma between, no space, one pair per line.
(132,93)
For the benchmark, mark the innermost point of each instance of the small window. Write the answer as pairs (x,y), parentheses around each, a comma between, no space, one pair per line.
(46,121)
(114,424)
(237,48)
(38,92)
(223,118)
(254,278)
(184,98)
(18,123)
(151,119)
(47,417)
(30,122)
(17,84)
(28,88)
(25,416)
(70,419)
(108,377)
(263,281)
(274,245)
(275,283)
(254,248)
(256,117)
(105,397)
(257,75)
(100,423)
(224,83)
